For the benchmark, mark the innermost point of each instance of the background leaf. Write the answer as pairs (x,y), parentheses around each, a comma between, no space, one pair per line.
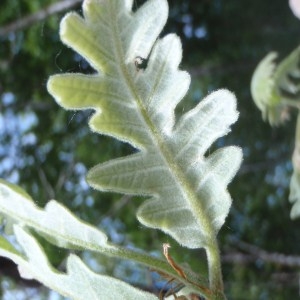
(294,196)
(262,88)
(273,88)
(275,91)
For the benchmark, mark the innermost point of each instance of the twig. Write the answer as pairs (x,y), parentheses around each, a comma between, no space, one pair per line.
(258,253)
(63,175)
(45,183)
(38,16)
(238,258)
(236,67)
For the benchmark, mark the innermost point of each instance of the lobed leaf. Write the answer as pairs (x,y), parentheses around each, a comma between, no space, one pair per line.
(62,228)
(287,76)
(77,283)
(187,191)
(55,222)
(262,89)
(274,87)
(294,196)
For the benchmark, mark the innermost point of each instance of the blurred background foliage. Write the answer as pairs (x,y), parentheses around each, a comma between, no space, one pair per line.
(48,150)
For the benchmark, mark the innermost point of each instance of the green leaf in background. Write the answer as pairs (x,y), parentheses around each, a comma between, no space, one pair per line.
(187,190)
(275,90)
(262,89)
(294,196)
(287,79)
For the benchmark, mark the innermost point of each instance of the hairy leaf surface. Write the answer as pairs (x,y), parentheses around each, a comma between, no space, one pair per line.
(55,221)
(60,227)
(78,283)
(187,190)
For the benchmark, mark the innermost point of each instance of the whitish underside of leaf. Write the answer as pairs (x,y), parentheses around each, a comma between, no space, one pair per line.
(77,283)
(187,191)
(60,227)
(54,221)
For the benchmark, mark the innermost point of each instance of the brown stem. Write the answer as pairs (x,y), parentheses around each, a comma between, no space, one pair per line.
(38,16)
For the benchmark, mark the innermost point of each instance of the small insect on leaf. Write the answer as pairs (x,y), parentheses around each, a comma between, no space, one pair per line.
(140,63)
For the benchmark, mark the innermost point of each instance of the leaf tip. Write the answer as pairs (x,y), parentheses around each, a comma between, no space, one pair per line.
(65,25)
(229,100)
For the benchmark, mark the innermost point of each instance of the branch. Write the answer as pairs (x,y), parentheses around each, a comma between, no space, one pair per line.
(238,258)
(50,192)
(255,253)
(224,68)
(38,16)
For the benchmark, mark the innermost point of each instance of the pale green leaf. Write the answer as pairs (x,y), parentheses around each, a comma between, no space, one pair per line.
(294,196)
(287,76)
(262,89)
(55,221)
(78,283)
(187,191)
(63,229)
(60,227)
(274,88)
(262,82)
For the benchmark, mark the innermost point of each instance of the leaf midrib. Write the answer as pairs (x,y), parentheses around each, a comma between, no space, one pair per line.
(158,142)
